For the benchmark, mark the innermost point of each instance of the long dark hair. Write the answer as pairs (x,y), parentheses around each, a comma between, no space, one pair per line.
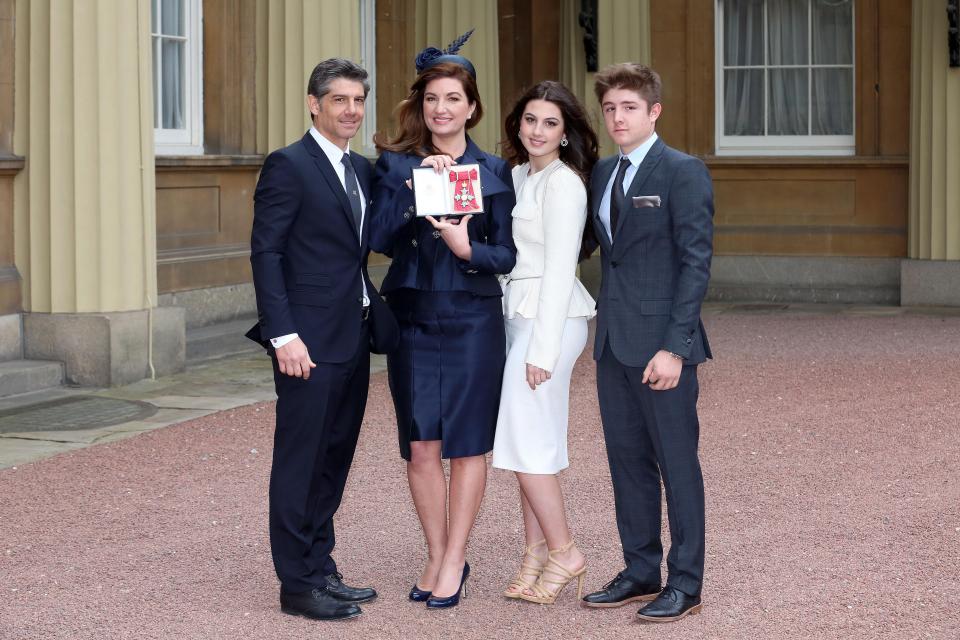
(581,151)
(412,135)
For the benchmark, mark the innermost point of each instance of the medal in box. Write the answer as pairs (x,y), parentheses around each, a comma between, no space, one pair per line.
(454,192)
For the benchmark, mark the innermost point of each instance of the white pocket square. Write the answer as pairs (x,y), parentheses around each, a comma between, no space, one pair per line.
(639,202)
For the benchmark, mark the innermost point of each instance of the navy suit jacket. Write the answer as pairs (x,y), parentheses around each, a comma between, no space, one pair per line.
(655,272)
(308,256)
(397,232)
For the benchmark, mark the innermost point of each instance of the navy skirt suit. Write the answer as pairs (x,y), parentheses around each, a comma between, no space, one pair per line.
(445,376)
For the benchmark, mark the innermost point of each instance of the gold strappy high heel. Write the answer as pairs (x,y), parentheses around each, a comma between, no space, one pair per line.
(527,570)
(555,573)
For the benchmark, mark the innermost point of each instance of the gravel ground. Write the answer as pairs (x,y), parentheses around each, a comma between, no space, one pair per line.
(830,446)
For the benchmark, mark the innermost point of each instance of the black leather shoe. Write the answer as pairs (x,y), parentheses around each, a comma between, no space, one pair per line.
(620,591)
(433,602)
(672,604)
(419,595)
(317,604)
(340,591)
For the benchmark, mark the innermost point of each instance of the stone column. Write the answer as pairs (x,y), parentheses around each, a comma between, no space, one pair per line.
(85,202)
(292,37)
(438,22)
(931,274)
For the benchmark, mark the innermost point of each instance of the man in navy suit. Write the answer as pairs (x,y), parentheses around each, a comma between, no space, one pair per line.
(653,216)
(319,316)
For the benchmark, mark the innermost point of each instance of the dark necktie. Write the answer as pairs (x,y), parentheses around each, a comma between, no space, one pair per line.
(617,198)
(353,190)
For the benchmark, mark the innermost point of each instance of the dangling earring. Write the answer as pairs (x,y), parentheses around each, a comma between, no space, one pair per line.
(564,142)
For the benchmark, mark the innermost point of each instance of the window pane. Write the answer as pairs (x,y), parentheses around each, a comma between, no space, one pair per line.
(832,31)
(171,17)
(787,35)
(743,102)
(172,84)
(788,102)
(832,102)
(743,32)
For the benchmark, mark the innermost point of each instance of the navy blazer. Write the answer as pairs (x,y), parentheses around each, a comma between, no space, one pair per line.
(655,272)
(308,256)
(422,261)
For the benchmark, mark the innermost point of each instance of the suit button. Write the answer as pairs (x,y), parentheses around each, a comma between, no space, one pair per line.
(414,242)
(689,340)
(614,264)
(406,215)
(411,209)
(360,299)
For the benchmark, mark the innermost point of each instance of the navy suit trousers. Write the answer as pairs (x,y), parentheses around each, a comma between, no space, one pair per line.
(652,434)
(318,423)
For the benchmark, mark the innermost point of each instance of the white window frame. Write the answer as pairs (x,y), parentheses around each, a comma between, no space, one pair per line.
(368,60)
(774,145)
(189,140)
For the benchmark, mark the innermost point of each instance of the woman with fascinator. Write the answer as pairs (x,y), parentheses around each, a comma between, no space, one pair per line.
(550,141)
(445,376)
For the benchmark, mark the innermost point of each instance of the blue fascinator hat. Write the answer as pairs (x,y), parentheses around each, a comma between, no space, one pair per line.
(431,56)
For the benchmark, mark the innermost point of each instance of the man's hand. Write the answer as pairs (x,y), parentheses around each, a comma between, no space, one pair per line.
(663,371)
(294,359)
(536,376)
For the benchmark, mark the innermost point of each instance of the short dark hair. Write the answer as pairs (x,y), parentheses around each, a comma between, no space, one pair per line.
(632,76)
(331,69)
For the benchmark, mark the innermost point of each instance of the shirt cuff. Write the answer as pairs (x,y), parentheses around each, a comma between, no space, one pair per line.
(282,340)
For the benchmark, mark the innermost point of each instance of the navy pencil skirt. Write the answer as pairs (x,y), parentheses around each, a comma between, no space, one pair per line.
(446,374)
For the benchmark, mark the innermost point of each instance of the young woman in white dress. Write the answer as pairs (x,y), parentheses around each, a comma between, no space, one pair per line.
(550,141)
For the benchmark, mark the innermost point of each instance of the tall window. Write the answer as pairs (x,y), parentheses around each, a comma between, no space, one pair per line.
(785,77)
(177,108)
(363,143)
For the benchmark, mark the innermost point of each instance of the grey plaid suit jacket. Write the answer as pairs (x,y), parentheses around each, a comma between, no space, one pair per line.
(655,272)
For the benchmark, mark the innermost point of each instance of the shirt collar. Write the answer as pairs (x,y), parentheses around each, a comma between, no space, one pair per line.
(334,153)
(637,155)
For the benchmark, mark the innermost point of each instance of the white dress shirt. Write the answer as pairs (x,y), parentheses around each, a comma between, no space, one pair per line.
(335,155)
(548,223)
(636,158)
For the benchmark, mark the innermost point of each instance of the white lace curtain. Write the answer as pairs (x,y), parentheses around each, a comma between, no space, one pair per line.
(788,67)
(169,56)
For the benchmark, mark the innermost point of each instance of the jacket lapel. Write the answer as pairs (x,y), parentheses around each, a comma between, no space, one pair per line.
(650,162)
(330,175)
(601,176)
(490,183)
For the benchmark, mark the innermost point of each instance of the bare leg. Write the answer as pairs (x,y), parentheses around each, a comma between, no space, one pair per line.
(468,478)
(533,535)
(428,486)
(546,500)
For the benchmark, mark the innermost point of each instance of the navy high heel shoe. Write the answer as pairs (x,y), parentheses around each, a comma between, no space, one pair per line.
(419,595)
(434,602)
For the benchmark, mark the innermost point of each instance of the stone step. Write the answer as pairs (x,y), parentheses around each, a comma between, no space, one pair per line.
(219,340)
(22,376)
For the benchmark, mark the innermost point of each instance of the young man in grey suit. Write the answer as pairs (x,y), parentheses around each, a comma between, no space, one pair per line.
(653,215)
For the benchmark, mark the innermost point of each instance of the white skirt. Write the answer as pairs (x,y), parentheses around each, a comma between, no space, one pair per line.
(532,425)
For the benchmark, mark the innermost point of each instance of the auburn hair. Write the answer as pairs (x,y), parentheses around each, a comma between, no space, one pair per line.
(412,135)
